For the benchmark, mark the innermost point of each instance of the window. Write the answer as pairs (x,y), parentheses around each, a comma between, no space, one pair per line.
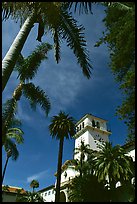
(80,127)
(65,174)
(77,129)
(98,124)
(49,193)
(83,124)
(93,123)
(45,193)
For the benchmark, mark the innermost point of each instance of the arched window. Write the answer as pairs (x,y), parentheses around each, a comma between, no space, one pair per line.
(98,124)
(93,123)
(77,129)
(83,125)
(80,127)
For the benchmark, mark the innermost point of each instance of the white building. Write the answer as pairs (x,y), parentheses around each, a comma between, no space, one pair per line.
(91,130)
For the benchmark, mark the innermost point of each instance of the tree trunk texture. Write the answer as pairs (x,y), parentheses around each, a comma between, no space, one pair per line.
(57,195)
(11,57)
(5,169)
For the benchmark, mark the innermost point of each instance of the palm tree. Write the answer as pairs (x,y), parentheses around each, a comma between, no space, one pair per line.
(51,16)
(34,184)
(62,126)
(34,94)
(113,165)
(84,151)
(30,196)
(81,187)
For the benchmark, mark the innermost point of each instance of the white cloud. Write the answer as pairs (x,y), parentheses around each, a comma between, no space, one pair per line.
(38,176)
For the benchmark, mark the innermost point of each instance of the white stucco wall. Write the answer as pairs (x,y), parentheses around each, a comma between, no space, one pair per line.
(88,121)
(132,154)
(71,173)
(92,138)
(49,195)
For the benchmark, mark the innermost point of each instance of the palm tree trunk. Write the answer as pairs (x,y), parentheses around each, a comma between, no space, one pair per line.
(5,169)
(11,57)
(60,154)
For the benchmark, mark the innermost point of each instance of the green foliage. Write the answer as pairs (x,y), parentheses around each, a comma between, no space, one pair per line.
(85,7)
(27,68)
(11,133)
(112,163)
(100,173)
(36,96)
(5,188)
(62,125)
(120,38)
(8,112)
(30,197)
(87,189)
(34,184)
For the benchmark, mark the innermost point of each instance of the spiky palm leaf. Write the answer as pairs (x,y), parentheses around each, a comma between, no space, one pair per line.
(123,6)
(10,145)
(62,125)
(27,68)
(34,184)
(74,36)
(8,110)
(35,95)
(8,116)
(85,7)
(15,133)
(112,163)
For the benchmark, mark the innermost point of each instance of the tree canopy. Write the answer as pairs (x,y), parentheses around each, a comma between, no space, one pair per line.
(120,38)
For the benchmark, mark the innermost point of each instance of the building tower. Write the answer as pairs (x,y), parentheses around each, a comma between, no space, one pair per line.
(91,130)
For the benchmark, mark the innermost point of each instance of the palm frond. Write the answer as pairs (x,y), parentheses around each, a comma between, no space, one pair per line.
(15,133)
(85,7)
(17,10)
(62,125)
(8,112)
(19,62)
(7,10)
(74,36)
(10,145)
(123,6)
(36,96)
(15,122)
(28,68)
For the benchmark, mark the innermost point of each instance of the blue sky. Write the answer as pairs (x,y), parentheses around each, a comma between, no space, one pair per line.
(69,91)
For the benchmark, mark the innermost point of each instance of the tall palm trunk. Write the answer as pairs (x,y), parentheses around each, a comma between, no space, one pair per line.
(7,159)
(11,57)
(5,169)
(60,154)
